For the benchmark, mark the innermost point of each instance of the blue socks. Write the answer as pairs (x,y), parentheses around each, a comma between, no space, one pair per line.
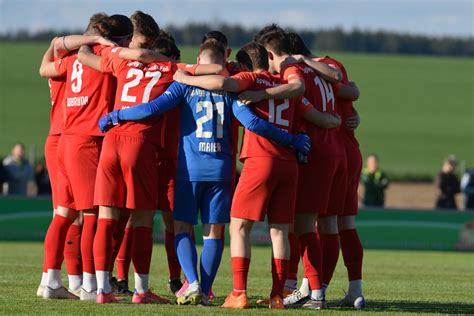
(210,259)
(187,255)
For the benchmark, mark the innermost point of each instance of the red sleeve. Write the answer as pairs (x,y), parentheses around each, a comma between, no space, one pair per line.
(245,80)
(111,62)
(191,68)
(61,66)
(291,72)
(303,106)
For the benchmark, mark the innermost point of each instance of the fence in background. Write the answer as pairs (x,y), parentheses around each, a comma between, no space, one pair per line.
(23,219)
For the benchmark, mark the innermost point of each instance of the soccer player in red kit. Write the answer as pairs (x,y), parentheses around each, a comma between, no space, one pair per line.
(352,251)
(261,189)
(89,95)
(314,197)
(58,48)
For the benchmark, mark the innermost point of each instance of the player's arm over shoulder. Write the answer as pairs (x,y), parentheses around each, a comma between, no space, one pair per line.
(209,82)
(47,67)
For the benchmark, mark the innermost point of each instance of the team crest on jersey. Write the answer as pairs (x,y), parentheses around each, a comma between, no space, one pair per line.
(307,70)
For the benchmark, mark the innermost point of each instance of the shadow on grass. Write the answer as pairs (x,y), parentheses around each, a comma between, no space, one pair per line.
(416,307)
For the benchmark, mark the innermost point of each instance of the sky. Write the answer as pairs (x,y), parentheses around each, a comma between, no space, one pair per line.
(426,17)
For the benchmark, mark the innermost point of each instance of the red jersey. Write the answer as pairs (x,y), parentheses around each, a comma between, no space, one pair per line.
(281,113)
(321,95)
(89,95)
(57,86)
(344,107)
(137,83)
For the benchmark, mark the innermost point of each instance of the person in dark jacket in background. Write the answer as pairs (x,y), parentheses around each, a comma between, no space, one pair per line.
(375,182)
(447,185)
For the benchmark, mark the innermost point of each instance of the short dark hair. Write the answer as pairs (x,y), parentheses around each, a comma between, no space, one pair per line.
(215,35)
(297,45)
(165,45)
(144,24)
(214,46)
(121,26)
(276,41)
(266,30)
(254,56)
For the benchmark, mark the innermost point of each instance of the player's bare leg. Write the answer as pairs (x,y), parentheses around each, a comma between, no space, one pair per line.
(329,236)
(54,250)
(103,252)
(352,253)
(89,280)
(240,252)
(142,248)
(280,262)
(211,256)
(174,268)
(310,292)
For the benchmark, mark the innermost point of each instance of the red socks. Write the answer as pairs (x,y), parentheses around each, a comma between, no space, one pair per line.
(119,233)
(87,243)
(279,274)
(124,256)
(240,270)
(103,243)
(174,268)
(294,256)
(54,241)
(310,248)
(330,251)
(72,250)
(142,248)
(352,252)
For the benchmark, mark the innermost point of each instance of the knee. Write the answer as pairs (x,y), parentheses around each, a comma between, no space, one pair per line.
(346,223)
(327,225)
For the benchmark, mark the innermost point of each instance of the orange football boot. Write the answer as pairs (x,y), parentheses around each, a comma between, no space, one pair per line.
(232,301)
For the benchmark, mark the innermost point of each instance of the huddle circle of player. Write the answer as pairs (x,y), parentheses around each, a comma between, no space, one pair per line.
(134,130)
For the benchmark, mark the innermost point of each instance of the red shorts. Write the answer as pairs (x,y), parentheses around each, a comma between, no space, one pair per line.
(267,186)
(166,181)
(322,185)
(51,157)
(127,173)
(354,168)
(78,157)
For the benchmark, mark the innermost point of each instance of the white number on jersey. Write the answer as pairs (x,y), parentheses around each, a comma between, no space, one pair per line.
(76,77)
(138,74)
(278,119)
(209,108)
(326,92)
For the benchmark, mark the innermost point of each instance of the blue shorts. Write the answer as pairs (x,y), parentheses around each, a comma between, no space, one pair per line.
(213,199)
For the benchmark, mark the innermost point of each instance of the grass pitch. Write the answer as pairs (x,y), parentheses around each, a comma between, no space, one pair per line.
(395,282)
(415,109)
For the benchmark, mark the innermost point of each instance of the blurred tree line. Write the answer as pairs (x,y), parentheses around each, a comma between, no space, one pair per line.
(325,40)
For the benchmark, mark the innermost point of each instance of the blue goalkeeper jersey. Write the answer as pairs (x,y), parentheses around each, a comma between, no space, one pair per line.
(205,147)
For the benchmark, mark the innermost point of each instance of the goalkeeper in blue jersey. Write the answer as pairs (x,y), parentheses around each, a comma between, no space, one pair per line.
(203,181)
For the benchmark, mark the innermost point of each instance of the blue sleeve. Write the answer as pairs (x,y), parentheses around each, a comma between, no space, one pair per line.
(259,126)
(171,98)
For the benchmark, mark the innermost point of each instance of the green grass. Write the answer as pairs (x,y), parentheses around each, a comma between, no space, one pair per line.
(395,282)
(415,110)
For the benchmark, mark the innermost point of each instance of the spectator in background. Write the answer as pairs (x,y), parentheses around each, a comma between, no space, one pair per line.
(467,187)
(375,182)
(42,179)
(18,170)
(447,184)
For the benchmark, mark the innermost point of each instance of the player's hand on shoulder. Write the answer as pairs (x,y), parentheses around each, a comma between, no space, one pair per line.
(291,60)
(108,121)
(302,143)
(251,96)
(105,42)
(180,76)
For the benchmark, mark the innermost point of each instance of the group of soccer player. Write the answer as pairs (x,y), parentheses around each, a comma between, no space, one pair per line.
(170,143)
